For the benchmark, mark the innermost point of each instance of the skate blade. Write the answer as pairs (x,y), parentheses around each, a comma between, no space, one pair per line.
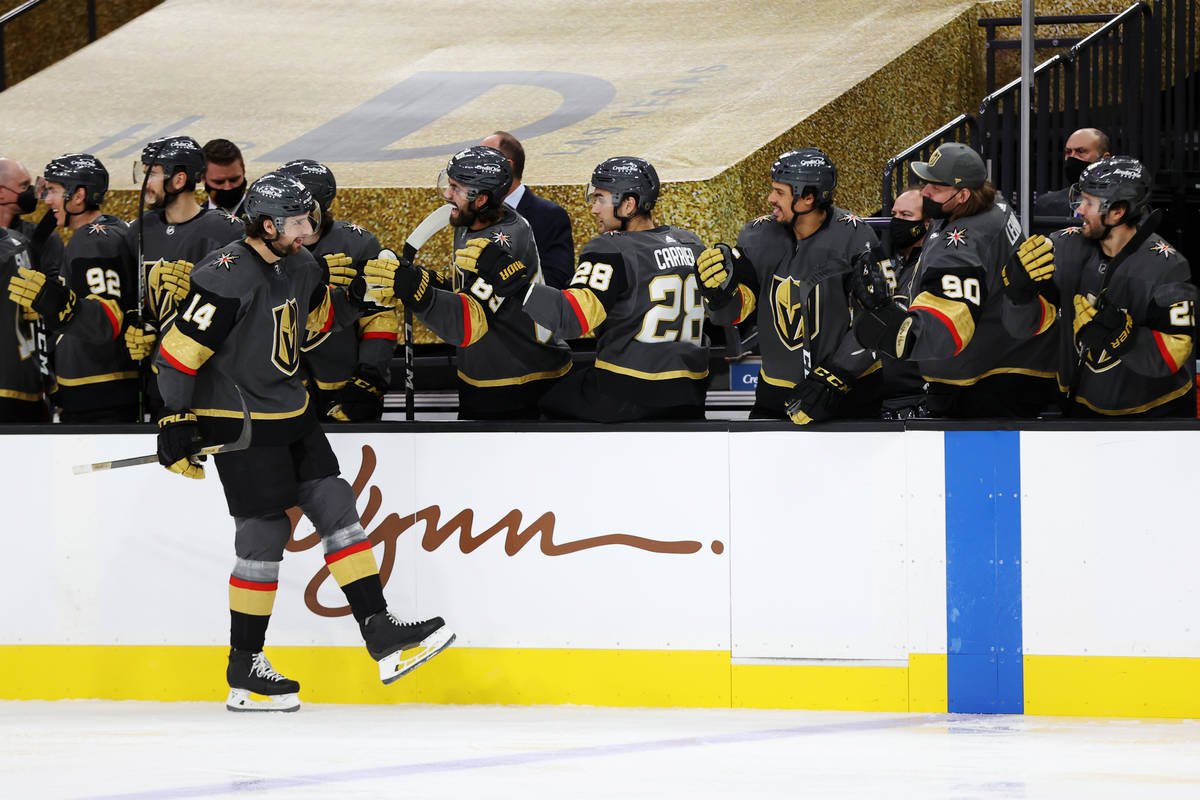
(245,700)
(400,663)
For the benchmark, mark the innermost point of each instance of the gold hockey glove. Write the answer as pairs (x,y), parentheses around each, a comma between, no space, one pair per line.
(49,298)
(140,341)
(1033,265)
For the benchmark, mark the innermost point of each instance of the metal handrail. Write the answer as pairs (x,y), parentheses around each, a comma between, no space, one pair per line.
(964,121)
(1140,7)
(20,10)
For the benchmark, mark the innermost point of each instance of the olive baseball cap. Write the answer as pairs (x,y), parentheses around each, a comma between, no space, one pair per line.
(952,164)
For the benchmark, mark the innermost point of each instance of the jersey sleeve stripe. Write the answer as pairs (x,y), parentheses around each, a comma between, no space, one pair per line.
(184,353)
(1173,347)
(1048,314)
(951,313)
(587,307)
(474,321)
(320,319)
(112,311)
(748,302)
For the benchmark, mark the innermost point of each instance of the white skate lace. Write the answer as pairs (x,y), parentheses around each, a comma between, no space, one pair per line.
(399,622)
(263,669)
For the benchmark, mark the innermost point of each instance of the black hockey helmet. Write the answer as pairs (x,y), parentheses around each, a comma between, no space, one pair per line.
(175,154)
(79,169)
(1116,179)
(808,171)
(479,169)
(280,197)
(315,176)
(624,176)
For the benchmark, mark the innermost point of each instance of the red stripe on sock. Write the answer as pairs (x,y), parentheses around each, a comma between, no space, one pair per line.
(252,585)
(347,551)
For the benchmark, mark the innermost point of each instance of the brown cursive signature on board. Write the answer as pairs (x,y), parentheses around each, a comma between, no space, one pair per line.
(389,529)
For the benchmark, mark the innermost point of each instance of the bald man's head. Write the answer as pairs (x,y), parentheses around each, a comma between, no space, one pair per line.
(1087,144)
(13,174)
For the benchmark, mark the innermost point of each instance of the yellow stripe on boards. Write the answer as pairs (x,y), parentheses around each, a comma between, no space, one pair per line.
(1098,686)
(820,687)
(927,690)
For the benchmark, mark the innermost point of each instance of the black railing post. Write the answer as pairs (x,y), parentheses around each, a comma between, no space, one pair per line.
(91,16)
(3,63)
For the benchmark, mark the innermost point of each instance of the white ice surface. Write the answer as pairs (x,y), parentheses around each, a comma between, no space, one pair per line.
(77,749)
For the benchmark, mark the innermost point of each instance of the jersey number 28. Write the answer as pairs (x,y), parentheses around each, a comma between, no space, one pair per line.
(680,314)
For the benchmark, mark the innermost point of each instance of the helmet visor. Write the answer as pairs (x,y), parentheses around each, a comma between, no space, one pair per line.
(301,225)
(451,190)
(591,195)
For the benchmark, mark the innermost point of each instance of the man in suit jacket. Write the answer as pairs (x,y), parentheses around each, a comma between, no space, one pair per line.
(550,223)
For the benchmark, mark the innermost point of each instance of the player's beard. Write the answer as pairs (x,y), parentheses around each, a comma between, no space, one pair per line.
(155,202)
(462,217)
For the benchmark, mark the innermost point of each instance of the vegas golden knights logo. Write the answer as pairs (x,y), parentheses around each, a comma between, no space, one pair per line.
(285,348)
(788,303)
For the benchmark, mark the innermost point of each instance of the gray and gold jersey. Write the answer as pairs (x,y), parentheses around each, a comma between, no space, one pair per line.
(1152,284)
(799,289)
(498,344)
(330,357)
(957,303)
(242,324)
(90,360)
(187,241)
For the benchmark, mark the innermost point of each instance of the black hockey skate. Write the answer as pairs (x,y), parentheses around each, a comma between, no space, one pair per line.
(401,647)
(255,686)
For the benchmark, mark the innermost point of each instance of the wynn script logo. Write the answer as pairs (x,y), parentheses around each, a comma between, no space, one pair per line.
(462,524)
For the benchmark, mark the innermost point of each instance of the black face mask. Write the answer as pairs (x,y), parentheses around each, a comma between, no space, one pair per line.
(26,201)
(933,209)
(227,199)
(1073,168)
(905,232)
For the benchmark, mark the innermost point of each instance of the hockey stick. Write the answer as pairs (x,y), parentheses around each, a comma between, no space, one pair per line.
(240,443)
(1142,234)
(434,222)
(41,340)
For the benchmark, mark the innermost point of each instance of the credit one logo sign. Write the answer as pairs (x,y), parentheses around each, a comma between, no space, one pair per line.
(743,376)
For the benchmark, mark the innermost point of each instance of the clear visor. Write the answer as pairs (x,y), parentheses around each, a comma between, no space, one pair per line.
(300,225)
(1077,197)
(591,195)
(451,190)
(41,189)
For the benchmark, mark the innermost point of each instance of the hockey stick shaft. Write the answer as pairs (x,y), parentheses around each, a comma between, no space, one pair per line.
(240,443)
(433,222)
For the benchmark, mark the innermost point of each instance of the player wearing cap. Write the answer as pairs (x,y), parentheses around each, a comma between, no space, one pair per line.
(953,326)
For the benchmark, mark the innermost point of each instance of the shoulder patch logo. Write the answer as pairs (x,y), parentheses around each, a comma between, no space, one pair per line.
(97,229)
(1163,249)
(230,217)
(850,219)
(501,238)
(761,220)
(226,260)
(1072,231)
(956,237)
(352,226)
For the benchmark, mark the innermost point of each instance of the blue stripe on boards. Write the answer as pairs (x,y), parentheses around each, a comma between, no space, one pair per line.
(983,572)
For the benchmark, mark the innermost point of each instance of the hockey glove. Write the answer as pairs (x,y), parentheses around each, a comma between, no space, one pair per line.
(817,397)
(1109,330)
(178,441)
(714,268)
(50,299)
(884,330)
(361,398)
(341,269)
(494,264)
(1033,265)
(140,341)
(173,278)
(871,278)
